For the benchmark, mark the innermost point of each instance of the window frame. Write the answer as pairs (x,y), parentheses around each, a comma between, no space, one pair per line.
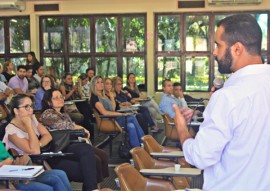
(119,54)
(183,53)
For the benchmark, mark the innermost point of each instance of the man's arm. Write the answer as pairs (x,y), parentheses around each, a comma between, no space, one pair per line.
(180,124)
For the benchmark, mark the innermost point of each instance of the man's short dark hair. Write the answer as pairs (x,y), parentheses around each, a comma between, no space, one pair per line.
(164,82)
(242,28)
(28,67)
(21,67)
(177,84)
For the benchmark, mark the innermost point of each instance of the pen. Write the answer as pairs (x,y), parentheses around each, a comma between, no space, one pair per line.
(14,170)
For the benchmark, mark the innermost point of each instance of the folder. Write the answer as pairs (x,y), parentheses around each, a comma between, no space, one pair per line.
(20,171)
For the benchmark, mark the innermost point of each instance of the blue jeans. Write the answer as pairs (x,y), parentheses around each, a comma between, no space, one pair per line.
(50,180)
(135,132)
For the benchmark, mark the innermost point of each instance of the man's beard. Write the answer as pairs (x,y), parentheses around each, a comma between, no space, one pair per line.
(225,63)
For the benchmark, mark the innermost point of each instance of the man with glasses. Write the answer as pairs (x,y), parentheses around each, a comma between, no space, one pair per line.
(232,145)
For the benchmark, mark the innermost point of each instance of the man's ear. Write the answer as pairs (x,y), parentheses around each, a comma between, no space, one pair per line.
(237,49)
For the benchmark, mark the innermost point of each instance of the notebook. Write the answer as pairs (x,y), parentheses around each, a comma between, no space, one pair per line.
(20,171)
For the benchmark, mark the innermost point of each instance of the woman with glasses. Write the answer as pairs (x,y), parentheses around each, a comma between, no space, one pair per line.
(22,135)
(46,84)
(106,106)
(55,118)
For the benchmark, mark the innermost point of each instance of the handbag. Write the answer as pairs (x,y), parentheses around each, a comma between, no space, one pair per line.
(60,140)
(124,148)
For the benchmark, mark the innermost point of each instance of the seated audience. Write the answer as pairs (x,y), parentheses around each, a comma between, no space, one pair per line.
(167,99)
(8,70)
(85,84)
(49,180)
(110,93)
(71,92)
(135,93)
(5,92)
(39,73)
(19,83)
(33,84)
(2,77)
(90,73)
(125,99)
(54,118)
(46,84)
(106,106)
(27,136)
(32,61)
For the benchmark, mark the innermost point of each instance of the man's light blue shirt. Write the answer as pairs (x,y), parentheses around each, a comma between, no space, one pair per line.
(167,101)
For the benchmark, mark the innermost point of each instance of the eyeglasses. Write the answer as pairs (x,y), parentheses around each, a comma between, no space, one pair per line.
(27,107)
(58,98)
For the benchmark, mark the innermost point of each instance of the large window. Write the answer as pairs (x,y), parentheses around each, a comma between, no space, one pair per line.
(14,39)
(113,45)
(184,44)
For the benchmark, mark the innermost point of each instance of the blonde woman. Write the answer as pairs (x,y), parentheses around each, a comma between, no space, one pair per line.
(106,106)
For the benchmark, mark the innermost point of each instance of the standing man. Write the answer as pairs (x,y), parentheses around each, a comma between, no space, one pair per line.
(232,145)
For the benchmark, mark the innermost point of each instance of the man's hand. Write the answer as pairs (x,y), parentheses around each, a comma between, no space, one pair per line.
(187,113)
(179,118)
(181,123)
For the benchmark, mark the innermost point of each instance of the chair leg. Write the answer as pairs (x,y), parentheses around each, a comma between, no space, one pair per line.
(110,142)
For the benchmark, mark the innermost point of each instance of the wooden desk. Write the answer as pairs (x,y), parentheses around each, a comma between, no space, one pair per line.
(170,172)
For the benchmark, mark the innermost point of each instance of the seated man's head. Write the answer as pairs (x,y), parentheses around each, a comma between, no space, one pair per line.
(177,90)
(21,71)
(167,86)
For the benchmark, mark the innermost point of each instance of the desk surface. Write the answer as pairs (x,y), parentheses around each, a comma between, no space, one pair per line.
(129,109)
(190,189)
(173,154)
(171,172)
(43,156)
(193,123)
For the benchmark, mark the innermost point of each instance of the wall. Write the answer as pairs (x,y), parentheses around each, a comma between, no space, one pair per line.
(120,6)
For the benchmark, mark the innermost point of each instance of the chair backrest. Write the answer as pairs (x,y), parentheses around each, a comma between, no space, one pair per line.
(151,145)
(131,180)
(106,125)
(170,131)
(142,159)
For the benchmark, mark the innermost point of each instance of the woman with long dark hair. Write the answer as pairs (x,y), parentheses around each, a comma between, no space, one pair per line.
(55,118)
(22,135)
